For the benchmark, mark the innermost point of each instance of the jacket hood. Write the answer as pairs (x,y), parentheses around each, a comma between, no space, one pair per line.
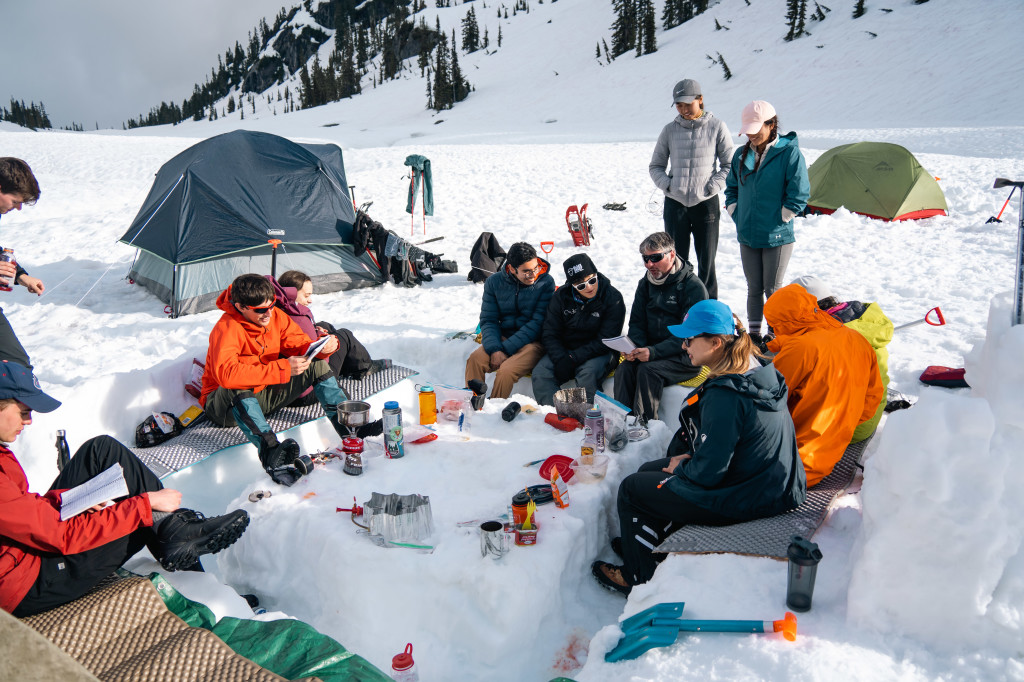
(696,122)
(510,271)
(791,311)
(787,140)
(763,385)
(225,304)
(285,299)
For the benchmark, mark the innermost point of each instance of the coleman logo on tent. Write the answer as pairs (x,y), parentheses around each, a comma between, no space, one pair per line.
(883,166)
(275,233)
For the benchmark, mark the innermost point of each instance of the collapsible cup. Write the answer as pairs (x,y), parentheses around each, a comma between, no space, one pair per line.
(804,556)
(493,539)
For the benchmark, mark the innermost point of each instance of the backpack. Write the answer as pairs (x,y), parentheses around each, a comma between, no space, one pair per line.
(157,428)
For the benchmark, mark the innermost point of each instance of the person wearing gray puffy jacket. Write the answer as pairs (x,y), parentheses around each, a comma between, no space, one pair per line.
(684,167)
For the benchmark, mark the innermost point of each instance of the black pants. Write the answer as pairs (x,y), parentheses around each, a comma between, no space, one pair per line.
(10,347)
(701,222)
(64,578)
(351,358)
(639,385)
(649,514)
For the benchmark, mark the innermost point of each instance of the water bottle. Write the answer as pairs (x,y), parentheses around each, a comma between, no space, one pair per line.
(595,422)
(403,668)
(7,256)
(428,404)
(63,452)
(392,418)
(511,411)
(588,446)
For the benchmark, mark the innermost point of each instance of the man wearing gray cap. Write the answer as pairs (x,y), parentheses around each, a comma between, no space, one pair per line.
(683,167)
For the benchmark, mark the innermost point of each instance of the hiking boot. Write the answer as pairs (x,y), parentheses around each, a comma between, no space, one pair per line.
(274,455)
(479,389)
(186,535)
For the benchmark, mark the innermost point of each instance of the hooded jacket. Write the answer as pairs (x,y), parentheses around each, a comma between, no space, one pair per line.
(871,323)
(300,314)
(30,526)
(692,147)
(745,463)
(780,182)
(514,310)
(574,326)
(656,306)
(832,374)
(243,355)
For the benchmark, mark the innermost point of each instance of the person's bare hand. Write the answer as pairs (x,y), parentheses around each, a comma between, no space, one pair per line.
(497,358)
(673,463)
(98,507)
(7,273)
(33,284)
(639,354)
(166,500)
(331,346)
(298,365)
(320,330)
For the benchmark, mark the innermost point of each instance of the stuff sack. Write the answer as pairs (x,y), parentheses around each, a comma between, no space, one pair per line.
(946,377)
(194,387)
(157,428)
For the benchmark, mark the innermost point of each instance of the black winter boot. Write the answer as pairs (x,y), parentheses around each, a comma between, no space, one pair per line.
(186,535)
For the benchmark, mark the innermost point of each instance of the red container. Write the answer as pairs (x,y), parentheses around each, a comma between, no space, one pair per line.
(352,445)
(525,538)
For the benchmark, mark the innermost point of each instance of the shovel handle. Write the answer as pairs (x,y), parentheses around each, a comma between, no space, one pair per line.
(940,320)
(787,626)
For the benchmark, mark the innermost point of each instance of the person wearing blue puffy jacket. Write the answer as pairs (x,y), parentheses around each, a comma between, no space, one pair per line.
(766,188)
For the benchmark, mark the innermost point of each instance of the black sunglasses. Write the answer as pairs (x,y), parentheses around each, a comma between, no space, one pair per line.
(262,310)
(655,257)
(580,286)
(687,342)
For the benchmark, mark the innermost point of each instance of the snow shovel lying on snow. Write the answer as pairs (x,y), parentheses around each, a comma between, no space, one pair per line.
(938,321)
(660,625)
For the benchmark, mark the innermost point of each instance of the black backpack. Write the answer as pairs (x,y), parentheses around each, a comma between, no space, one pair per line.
(157,428)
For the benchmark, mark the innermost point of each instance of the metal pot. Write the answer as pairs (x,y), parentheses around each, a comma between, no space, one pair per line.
(353,413)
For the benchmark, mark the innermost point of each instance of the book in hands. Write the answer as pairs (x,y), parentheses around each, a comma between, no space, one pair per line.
(104,487)
(620,343)
(316,347)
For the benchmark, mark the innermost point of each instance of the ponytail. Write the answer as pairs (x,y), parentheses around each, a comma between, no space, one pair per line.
(737,349)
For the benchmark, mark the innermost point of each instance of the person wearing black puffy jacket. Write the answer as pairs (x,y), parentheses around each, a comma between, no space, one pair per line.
(581,313)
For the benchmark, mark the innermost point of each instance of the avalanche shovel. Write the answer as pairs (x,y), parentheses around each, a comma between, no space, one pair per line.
(996,218)
(660,624)
(937,322)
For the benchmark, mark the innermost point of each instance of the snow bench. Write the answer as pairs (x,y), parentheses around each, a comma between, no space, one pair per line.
(206,438)
(769,537)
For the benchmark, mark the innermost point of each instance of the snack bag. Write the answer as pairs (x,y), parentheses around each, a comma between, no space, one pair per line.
(559,489)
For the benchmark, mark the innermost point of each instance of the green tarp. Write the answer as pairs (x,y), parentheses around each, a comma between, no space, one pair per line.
(289,648)
(876,179)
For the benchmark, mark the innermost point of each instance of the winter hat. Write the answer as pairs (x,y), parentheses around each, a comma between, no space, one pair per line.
(578,267)
(754,116)
(814,286)
(685,91)
(705,317)
(18,382)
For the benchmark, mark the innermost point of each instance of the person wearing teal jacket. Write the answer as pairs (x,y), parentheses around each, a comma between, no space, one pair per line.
(766,188)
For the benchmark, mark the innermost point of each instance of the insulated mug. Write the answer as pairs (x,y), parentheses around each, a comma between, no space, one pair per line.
(493,539)
(804,556)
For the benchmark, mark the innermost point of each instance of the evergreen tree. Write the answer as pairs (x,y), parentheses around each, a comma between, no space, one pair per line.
(726,73)
(858,9)
(470,32)
(499,35)
(646,42)
(796,19)
(231,104)
(624,28)
(820,11)
(442,84)
(460,85)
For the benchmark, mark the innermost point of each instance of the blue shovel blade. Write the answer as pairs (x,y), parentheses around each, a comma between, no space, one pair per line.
(646,617)
(637,643)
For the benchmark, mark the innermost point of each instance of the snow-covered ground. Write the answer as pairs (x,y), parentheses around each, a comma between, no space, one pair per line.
(923,575)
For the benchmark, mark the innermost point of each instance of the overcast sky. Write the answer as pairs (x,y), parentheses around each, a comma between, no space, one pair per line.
(105,61)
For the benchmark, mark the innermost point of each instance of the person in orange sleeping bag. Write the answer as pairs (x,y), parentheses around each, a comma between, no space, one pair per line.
(832,374)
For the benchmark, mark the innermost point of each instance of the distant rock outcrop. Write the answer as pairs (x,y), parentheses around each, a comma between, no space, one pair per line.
(294,46)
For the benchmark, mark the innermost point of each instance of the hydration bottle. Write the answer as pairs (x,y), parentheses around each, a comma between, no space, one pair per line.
(428,404)
(393,441)
(403,668)
(7,256)
(595,422)
(63,452)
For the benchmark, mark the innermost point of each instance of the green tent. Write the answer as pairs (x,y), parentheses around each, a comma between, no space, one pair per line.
(876,179)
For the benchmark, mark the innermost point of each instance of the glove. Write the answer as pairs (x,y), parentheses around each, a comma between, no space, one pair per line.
(565,370)
(787,215)
(286,475)
(731,208)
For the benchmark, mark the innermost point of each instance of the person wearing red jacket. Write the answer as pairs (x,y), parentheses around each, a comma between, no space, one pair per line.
(256,364)
(46,561)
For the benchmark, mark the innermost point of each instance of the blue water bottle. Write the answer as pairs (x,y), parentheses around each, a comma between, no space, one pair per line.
(393,440)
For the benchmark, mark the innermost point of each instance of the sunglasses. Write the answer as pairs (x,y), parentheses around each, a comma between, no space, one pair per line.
(580,286)
(687,342)
(655,257)
(262,310)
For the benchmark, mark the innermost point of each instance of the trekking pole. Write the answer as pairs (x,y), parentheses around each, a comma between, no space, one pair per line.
(432,239)
(996,218)
(352,195)
(1018,285)
(939,320)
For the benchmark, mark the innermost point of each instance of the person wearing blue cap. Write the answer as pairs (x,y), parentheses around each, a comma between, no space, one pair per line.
(733,459)
(46,561)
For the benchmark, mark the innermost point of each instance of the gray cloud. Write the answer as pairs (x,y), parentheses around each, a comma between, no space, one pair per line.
(105,61)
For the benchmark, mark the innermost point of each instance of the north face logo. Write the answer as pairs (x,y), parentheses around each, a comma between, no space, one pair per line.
(883,166)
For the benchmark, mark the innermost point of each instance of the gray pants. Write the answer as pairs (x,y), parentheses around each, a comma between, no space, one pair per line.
(589,375)
(271,399)
(638,385)
(764,270)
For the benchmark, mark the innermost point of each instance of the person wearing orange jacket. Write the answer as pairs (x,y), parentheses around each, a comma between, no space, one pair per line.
(832,374)
(256,365)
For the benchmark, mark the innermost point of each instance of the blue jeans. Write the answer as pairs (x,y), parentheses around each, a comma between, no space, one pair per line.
(589,375)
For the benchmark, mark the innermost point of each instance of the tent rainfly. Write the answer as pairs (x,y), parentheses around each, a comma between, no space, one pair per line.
(215,207)
(876,179)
